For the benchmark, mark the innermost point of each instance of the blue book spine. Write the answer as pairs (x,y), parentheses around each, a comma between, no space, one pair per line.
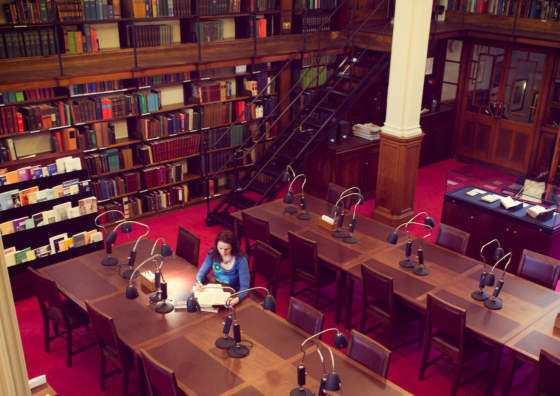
(99,6)
(170,126)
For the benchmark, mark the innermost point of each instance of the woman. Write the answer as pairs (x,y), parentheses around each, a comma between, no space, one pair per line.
(229,264)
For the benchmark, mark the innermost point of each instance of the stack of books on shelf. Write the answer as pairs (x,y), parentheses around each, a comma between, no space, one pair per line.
(117,185)
(167,124)
(111,160)
(90,88)
(262,80)
(315,4)
(37,117)
(25,12)
(147,101)
(157,8)
(309,75)
(87,10)
(98,135)
(312,60)
(366,131)
(209,7)
(26,43)
(168,149)
(212,30)
(127,206)
(311,23)
(30,94)
(212,91)
(535,9)
(92,109)
(80,41)
(156,176)
(61,165)
(223,71)
(225,137)
(162,79)
(12,121)
(217,114)
(162,199)
(150,35)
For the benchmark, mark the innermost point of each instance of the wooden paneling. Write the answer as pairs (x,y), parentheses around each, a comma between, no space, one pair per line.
(437,126)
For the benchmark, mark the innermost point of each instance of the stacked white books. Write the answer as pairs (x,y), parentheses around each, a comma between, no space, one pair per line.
(212,295)
(491,198)
(366,131)
(509,202)
(537,210)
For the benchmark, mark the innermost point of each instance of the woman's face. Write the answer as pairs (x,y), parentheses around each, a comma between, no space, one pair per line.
(224,249)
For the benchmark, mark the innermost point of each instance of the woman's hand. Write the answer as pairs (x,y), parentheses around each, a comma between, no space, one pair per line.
(234,301)
(197,285)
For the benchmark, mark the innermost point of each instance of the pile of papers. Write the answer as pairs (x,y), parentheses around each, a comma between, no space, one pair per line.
(212,295)
(366,131)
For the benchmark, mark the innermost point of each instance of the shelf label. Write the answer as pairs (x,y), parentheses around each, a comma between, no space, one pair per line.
(194,130)
(102,148)
(156,138)
(173,134)
(20,26)
(205,78)
(87,151)
(186,81)
(2,105)
(257,72)
(143,191)
(205,129)
(37,131)
(146,114)
(243,122)
(80,123)
(147,86)
(64,126)
(103,200)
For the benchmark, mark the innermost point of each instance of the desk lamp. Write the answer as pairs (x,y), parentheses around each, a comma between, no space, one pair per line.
(109,239)
(492,302)
(352,226)
(408,263)
(428,220)
(335,209)
(289,197)
(330,382)
(166,251)
(127,228)
(498,254)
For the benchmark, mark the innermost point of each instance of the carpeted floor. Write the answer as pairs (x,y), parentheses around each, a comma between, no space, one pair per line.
(83,378)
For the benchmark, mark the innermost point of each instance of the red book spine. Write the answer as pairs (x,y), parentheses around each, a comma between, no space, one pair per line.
(20,122)
(4,121)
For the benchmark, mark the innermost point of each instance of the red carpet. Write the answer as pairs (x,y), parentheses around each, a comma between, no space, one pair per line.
(83,378)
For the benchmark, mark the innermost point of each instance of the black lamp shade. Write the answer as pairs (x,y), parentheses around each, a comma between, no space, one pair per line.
(430,222)
(192,304)
(360,199)
(333,382)
(393,238)
(289,198)
(269,303)
(286,177)
(489,279)
(340,341)
(131,292)
(111,236)
(498,253)
(126,228)
(166,250)
(334,210)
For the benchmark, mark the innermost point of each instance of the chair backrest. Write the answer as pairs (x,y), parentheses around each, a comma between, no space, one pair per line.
(47,293)
(548,371)
(452,238)
(371,354)
(105,331)
(447,318)
(305,316)
(161,379)
(303,253)
(377,286)
(266,263)
(188,246)
(255,229)
(539,269)
(333,195)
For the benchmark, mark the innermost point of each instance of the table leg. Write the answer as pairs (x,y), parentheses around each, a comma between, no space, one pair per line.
(236,230)
(340,277)
(348,301)
(494,365)
(510,370)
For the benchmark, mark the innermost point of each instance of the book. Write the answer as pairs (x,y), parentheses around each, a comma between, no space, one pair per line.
(41,196)
(180,299)
(21,256)
(53,241)
(61,211)
(29,223)
(24,195)
(491,198)
(6,201)
(37,219)
(16,200)
(509,202)
(19,224)
(7,228)
(88,235)
(52,169)
(74,212)
(79,239)
(87,206)
(61,165)
(43,251)
(48,217)
(96,237)
(212,296)
(10,258)
(30,255)
(73,164)
(536,210)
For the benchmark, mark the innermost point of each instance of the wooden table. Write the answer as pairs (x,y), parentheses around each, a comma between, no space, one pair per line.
(185,342)
(527,345)
(333,252)
(43,390)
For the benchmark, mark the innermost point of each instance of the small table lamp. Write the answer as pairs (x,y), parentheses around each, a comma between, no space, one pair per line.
(427,221)
(289,197)
(498,254)
(332,381)
(109,239)
(166,251)
(351,239)
(126,227)
(492,302)
(421,270)
(335,210)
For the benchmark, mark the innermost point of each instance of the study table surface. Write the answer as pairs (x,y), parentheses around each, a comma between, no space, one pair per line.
(184,342)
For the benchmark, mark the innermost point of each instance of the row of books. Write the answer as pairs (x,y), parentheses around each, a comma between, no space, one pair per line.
(309,75)
(311,22)
(87,10)
(30,11)
(162,79)
(157,8)
(212,162)
(315,4)
(225,137)
(8,152)
(111,160)
(212,91)
(12,121)
(38,117)
(312,60)
(167,124)
(30,94)
(89,88)
(223,71)
(22,44)
(66,139)
(220,113)
(150,35)
(126,183)
(162,199)
(98,135)
(80,41)
(208,31)
(535,9)
(61,165)
(263,79)
(156,176)
(366,131)
(168,149)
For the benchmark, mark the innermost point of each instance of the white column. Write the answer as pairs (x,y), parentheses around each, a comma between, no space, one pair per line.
(411,31)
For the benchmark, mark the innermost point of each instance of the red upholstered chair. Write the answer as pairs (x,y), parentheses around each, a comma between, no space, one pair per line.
(539,269)
(266,263)
(61,313)
(257,229)
(369,353)
(452,238)
(188,246)
(548,371)
(450,339)
(111,347)
(333,195)
(305,316)
(306,267)
(384,309)
(161,380)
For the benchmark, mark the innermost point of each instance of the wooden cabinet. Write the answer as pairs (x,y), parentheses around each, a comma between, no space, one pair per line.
(437,126)
(349,164)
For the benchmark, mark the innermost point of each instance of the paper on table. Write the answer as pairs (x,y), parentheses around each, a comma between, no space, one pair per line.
(207,298)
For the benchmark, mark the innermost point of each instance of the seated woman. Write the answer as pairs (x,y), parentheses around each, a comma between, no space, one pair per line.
(229,264)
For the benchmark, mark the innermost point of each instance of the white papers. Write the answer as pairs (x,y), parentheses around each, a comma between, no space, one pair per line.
(73,164)
(211,296)
(491,198)
(475,191)
(328,219)
(509,202)
(537,210)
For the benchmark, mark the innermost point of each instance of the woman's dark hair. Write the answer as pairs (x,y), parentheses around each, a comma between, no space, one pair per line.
(226,236)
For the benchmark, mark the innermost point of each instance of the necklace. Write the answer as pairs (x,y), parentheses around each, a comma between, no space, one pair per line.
(228,261)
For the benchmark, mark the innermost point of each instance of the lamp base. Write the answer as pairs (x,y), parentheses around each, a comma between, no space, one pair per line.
(350,239)
(301,392)
(225,343)
(110,261)
(128,273)
(303,216)
(407,263)
(238,351)
(480,296)
(155,296)
(339,234)
(493,304)
(290,209)
(164,307)
(420,271)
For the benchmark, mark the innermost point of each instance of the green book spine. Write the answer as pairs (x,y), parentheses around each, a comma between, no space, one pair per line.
(52,46)
(43,11)
(44,42)
(15,43)
(19,97)
(93,139)
(72,42)
(9,45)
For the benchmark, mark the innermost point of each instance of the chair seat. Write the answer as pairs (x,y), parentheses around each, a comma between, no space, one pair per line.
(402,313)
(111,353)
(328,276)
(472,347)
(76,315)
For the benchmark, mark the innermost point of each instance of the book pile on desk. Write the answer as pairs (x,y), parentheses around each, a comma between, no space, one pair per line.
(211,298)
(366,131)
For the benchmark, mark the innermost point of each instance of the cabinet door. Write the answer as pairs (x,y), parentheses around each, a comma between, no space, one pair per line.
(371,162)
(349,170)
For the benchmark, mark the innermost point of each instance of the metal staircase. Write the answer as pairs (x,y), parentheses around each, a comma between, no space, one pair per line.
(308,127)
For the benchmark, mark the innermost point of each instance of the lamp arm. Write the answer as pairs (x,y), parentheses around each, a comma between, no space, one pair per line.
(356,205)
(292,169)
(154,248)
(301,174)
(322,360)
(243,291)
(138,240)
(505,268)
(304,181)
(314,336)
(500,260)
(482,248)
(346,196)
(145,261)
(421,213)
(351,188)
(104,213)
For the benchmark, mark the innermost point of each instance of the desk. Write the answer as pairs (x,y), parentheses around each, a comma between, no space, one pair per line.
(333,252)
(200,367)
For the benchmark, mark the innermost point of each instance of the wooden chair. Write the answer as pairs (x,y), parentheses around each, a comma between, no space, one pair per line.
(306,267)
(111,347)
(452,238)
(266,263)
(61,313)
(259,230)
(384,309)
(161,380)
(450,339)
(369,353)
(539,269)
(305,316)
(188,246)
(333,195)
(548,371)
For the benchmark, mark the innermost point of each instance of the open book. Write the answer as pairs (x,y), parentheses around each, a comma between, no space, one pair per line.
(212,295)
(537,210)
(491,198)
(509,202)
